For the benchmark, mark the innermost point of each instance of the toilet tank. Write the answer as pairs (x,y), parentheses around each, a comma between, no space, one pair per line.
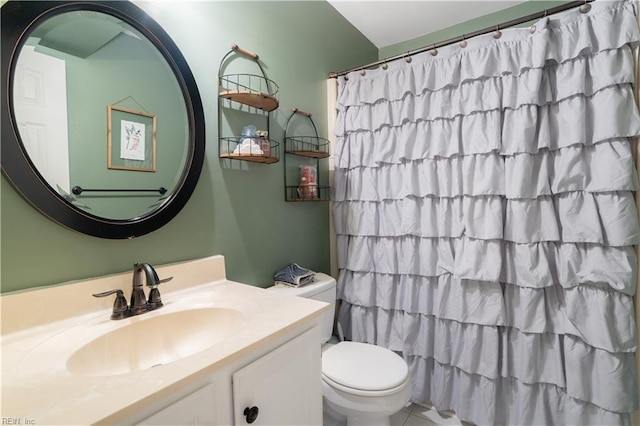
(322,289)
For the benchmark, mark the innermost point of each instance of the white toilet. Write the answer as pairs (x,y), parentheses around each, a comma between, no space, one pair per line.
(362,382)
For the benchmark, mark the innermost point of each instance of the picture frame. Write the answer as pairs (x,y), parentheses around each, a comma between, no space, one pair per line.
(131,139)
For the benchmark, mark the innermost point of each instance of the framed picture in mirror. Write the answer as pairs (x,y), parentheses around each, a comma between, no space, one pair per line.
(131,139)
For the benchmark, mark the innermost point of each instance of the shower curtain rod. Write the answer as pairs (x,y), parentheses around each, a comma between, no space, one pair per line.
(585,8)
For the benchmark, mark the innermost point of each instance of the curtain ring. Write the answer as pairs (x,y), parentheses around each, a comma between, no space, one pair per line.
(363,73)
(434,51)
(408,58)
(463,43)
(586,7)
(532,29)
(385,66)
(497,34)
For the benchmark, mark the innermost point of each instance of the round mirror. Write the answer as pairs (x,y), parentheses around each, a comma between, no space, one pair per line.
(102,123)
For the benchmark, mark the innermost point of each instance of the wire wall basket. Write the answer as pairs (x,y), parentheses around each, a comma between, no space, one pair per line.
(307,193)
(254,91)
(262,151)
(308,146)
(250,89)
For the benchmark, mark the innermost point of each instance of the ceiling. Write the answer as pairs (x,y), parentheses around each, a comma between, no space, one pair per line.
(387,22)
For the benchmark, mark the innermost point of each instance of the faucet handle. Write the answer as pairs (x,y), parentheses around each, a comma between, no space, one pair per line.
(155,301)
(164,280)
(120,308)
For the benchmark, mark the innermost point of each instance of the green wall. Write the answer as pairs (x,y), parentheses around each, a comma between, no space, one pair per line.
(96,82)
(237,210)
(470,26)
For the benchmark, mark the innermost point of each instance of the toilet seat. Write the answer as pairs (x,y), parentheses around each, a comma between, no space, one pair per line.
(364,369)
(360,392)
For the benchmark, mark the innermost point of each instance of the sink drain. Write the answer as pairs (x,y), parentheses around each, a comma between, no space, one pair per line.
(156,365)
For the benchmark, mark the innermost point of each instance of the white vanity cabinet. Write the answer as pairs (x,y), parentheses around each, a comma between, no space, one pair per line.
(225,346)
(273,385)
(195,409)
(282,387)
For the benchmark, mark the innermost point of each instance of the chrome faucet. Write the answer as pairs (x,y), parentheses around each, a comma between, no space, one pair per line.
(138,304)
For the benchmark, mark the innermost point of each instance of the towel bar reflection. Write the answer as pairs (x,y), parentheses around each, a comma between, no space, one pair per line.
(77,190)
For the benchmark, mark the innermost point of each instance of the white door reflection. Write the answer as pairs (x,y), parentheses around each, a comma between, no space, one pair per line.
(40,104)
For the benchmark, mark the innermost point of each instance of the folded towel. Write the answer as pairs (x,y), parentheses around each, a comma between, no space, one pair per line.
(294,275)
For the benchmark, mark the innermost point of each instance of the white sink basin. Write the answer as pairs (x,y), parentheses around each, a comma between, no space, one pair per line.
(153,341)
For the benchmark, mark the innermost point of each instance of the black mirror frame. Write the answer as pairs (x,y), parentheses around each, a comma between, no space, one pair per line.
(18,18)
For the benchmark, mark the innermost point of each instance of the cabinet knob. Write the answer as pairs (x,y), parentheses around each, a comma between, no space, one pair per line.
(251,414)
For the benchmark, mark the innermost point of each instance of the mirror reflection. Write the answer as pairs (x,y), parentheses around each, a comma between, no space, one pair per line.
(98,107)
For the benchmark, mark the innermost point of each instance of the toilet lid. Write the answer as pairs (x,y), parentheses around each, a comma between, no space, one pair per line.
(363,366)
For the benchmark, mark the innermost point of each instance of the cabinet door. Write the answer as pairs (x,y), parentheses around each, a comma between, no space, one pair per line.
(192,410)
(285,385)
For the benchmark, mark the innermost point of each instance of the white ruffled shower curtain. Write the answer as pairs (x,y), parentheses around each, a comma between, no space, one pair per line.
(485,217)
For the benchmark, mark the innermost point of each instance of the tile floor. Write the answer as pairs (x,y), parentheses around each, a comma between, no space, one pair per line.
(418,415)
(415,415)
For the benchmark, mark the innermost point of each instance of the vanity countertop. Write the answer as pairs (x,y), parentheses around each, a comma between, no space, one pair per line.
(38,388)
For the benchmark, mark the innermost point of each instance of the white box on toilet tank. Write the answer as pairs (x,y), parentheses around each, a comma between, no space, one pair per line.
(323,289)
